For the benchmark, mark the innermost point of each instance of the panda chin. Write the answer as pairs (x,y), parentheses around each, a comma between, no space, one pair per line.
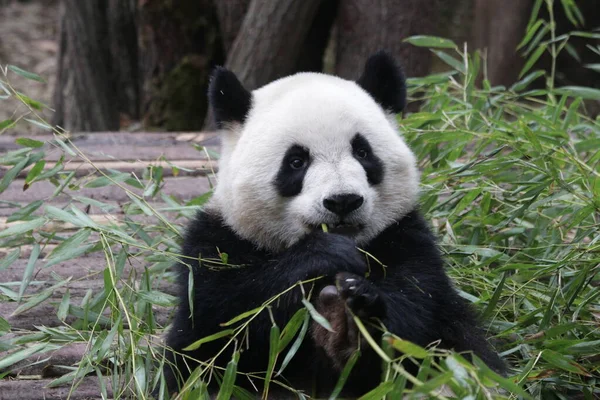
(345,229)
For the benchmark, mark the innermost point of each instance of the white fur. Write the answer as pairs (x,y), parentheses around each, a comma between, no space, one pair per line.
(322,113)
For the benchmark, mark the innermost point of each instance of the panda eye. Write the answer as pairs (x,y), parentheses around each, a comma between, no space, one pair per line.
(362,153)
(297,163)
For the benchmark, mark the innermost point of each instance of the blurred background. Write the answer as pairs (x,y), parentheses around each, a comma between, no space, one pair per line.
(144,64)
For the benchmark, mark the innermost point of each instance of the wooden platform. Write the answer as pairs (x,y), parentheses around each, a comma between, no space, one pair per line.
(120,151)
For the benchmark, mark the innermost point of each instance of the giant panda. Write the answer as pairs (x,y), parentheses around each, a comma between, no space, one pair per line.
(303,151)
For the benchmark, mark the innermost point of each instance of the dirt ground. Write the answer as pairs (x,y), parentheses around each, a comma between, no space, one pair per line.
(28,33)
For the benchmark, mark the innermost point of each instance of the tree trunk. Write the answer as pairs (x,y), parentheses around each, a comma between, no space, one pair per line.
(270,40)
(499,27)
(124,56)
(179,42)
(84,94)
(317,38)
(365,26)
(231,14)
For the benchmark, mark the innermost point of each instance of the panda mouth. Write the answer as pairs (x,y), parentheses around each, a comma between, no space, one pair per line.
(342,228)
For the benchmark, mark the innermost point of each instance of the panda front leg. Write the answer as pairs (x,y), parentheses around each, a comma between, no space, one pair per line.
(352,295)
(221,295)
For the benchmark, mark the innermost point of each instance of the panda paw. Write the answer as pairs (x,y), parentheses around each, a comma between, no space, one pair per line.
(327,254)
(360,295)
(352,294)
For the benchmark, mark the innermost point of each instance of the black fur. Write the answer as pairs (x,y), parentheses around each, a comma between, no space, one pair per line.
(289,180)
(414,298)
(384,80)
(371,163)
(229,99)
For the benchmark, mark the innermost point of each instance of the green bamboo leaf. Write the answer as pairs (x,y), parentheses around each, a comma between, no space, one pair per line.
(10,258)
(35,253)
(12,173)
(243,316)
(344,375)
(6,124)
(210,338)
(70,248)
(36,105)
(579,91)
(35,171)
(26,142)
(22,228)
(273,353)
(33,301)
(63,308)
(24,353)
(26,74)
(491,307)
(379,392)
(24,212)
(561,361)
(158,298)
(63,216)
(227,386)
(66,148)
(435,383)
(296,345)
(530,32)
(532,60)
(505,383)
(408,348)
(594,67)
(526,81)
(40,124)
(451,61)
(292,327)
(4,326)
(318,318)
(431,41)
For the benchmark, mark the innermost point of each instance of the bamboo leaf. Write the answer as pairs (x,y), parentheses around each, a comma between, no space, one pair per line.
(345,374)
(431,41)
(22,228)
(35,253)
(26,74)
(296,345)
(10,258)
(318,318)
(227,385)
(579,91)
(532,60)
(210,338)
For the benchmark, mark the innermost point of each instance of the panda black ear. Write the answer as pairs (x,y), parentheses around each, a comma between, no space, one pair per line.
(383,79)
(229,99)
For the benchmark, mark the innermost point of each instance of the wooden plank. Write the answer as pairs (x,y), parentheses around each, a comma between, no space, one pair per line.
(58,226)
(85,273)
(184,188)
(108,151)
(35,388)
(83,168)
(93,139)
(50,364)
(6,210)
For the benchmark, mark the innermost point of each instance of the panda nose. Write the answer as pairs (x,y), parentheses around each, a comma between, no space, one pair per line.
(342,204)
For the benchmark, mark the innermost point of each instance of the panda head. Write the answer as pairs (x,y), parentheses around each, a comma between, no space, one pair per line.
(312,149)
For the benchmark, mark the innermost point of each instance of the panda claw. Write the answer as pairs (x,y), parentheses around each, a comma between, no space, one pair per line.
(360,295)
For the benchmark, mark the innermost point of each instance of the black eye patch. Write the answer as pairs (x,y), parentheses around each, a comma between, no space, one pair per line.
(362,151)
(292,170)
